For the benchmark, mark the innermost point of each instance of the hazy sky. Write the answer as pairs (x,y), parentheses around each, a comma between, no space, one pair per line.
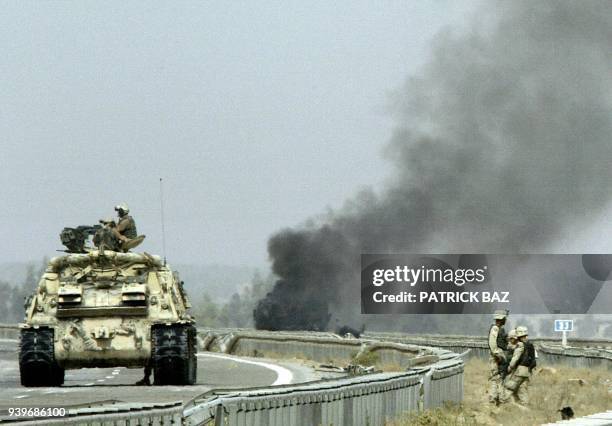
(258,115)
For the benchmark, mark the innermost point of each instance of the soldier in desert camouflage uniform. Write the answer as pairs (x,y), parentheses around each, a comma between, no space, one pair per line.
(497,346)
(126,226)
(125,231)
(522,363)
(503,367)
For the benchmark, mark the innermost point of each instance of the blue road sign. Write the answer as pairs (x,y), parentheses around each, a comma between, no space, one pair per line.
(564,325)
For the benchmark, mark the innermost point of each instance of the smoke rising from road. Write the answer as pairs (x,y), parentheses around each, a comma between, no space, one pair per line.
(501,142)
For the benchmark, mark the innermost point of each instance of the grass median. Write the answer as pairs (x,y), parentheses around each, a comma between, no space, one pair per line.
(587,391)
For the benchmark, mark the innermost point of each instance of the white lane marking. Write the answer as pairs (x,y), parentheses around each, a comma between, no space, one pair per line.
(115,372)
(109,377)
(100,380)
(88,384)
(21,396)
(283,375)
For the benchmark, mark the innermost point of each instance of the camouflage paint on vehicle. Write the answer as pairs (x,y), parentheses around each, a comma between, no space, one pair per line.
(109,309)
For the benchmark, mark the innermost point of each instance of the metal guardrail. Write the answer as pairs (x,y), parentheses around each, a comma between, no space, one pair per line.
(591,353)
(575,357)
(434,376)
(322,348)
(113,414)
(365,400)
(575,342)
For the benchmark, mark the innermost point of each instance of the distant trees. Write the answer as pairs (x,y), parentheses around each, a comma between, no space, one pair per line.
(238,311)
(6,301)
(12,295)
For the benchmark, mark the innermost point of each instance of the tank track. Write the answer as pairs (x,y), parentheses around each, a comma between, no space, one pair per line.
(174,359)
(37,365)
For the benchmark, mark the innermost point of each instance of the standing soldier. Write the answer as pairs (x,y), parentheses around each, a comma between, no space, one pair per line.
(510,346)
(497,346)
(522,362)
(506,376)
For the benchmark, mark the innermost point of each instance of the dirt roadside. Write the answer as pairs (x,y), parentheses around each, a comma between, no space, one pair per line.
(587,391)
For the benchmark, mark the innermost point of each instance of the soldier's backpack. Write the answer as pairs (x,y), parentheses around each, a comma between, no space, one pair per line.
(528,359)
(502,338)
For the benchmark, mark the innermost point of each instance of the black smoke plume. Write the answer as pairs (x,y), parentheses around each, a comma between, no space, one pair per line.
(502,141)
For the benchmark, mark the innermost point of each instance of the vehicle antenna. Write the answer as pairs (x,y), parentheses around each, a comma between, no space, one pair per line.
(163,230)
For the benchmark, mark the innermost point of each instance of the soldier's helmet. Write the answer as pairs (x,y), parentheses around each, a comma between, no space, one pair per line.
(122,207)
(512,334)
(500,314)
(521,331)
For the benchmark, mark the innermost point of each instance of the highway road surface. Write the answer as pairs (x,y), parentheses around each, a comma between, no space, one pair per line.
(99,385)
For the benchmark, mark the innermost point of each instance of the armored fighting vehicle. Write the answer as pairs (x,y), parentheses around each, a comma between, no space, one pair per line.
(104,308)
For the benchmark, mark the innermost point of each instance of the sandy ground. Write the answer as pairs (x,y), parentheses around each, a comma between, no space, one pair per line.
(587,391)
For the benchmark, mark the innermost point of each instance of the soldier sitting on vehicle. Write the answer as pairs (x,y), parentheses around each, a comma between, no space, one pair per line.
(125,231)
(126,226)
